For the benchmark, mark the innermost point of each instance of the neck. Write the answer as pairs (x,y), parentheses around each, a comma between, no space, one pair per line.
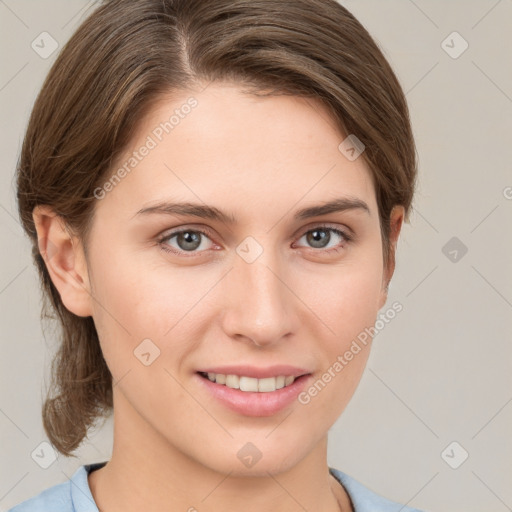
(146,472)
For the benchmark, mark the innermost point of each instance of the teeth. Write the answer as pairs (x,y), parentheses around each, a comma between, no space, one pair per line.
(248,384)
(244,383)
(288,380)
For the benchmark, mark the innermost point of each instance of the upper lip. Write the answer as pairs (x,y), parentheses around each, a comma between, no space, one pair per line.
(255,372)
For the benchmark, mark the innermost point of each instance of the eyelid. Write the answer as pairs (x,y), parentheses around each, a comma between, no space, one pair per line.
(175,231)
(187,227)
(347,233)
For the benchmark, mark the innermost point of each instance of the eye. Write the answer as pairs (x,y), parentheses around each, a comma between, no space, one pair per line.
(321,237)
(196,241)
(186,241)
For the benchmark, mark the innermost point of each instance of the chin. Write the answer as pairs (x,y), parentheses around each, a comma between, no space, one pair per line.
(255,459)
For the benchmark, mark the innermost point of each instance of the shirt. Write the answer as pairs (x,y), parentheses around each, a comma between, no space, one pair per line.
(75,495)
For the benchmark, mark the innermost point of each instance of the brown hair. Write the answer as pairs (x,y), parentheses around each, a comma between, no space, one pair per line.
(124,57)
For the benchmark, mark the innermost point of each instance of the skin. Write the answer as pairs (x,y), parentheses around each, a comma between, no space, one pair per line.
(259,159)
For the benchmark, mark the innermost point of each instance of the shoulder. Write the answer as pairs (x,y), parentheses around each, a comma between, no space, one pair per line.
(71,496)
(56,499)
(364,499)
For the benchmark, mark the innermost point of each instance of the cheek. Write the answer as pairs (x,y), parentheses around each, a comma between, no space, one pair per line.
(349,310)
(356,306)
(134,303)
(347,302)
(344,298)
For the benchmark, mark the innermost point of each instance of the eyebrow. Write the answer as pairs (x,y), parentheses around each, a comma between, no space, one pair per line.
(212,213)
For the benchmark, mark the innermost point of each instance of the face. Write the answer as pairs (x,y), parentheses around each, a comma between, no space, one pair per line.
(254,281)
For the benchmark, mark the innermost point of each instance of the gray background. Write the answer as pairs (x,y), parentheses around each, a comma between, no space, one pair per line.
(440,371)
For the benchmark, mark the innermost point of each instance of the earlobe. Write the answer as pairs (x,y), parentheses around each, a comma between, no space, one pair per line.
(64,258)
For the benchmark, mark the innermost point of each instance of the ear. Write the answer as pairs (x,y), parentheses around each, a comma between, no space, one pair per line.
(65,260)
(395,222)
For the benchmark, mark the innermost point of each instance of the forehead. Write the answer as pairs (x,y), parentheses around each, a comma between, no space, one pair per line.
(222,145)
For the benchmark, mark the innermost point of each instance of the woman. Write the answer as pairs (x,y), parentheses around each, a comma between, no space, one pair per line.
(214,190)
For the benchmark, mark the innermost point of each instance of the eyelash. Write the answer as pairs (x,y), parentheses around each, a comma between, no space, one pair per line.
(343,234)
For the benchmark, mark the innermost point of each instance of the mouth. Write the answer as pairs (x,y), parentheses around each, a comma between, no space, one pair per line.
(250,384)
(253,396)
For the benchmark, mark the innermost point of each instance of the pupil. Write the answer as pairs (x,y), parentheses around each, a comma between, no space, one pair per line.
(189,240)
(319,238)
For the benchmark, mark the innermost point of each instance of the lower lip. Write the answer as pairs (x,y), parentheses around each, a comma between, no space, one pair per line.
(255,403)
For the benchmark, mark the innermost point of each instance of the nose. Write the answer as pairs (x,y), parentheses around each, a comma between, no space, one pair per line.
(259,303)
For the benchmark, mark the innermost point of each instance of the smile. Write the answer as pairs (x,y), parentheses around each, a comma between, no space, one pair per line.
(250,384)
